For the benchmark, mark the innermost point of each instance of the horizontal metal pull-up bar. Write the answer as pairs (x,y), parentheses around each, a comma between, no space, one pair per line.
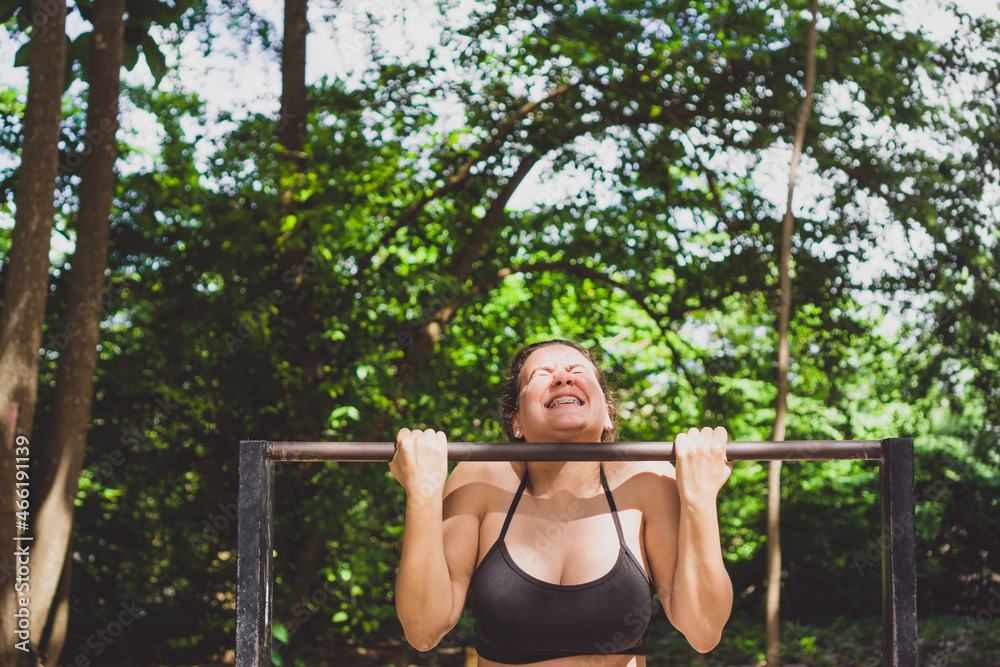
(788,450)
(893,455)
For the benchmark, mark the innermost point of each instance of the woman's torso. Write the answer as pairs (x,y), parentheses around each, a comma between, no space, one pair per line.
(567,551)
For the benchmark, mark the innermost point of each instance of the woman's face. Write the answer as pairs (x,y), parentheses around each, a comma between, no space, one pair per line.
(560,398)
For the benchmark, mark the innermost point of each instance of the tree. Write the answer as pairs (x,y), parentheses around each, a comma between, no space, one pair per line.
(773,623)
(294,248)
(62,460)
(26,283)
(292,125)
(59,449)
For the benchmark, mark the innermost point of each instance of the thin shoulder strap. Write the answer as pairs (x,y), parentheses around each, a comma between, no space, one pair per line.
(513,506)
(614,510)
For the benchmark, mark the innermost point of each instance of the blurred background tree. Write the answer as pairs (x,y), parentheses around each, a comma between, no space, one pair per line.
(600,171)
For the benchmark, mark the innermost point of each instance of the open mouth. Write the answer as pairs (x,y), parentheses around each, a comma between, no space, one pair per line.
(564,400)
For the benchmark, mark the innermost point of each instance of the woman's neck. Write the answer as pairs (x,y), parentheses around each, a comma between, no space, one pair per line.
(578,478)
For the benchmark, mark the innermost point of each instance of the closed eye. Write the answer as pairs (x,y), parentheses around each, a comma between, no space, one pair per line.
(539,371)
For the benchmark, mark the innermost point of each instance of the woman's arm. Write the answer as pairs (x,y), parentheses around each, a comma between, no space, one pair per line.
(682,540)
(440,538)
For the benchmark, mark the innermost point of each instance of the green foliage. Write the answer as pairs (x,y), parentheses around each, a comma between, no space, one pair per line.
(384,277)
(943,640)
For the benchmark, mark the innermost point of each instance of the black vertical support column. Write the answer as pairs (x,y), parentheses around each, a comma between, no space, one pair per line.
(899,558)
(253,562)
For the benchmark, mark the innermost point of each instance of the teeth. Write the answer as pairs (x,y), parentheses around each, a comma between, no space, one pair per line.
(564,401)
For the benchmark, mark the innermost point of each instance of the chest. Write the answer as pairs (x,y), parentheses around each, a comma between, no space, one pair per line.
(565,543)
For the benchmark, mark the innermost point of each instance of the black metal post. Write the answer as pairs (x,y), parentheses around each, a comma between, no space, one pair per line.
(899,558)
(253,559)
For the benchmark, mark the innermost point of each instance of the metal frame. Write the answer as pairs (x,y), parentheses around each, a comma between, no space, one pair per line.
(894,455)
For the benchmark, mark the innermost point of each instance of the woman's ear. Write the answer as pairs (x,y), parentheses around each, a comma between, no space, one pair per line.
(515,426)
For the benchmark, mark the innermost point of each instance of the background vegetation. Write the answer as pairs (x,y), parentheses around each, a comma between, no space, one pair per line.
(596,170)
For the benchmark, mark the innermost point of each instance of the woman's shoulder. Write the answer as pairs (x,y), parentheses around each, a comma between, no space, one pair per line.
(476,486)
(639,472)
(479,483)
(501,473)
(641,484)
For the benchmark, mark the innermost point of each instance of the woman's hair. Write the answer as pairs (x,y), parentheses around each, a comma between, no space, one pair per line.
(512,389)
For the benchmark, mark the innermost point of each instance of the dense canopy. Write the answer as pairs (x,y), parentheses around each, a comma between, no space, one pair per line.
(599,170)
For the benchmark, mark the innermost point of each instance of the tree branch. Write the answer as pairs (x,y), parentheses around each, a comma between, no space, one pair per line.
(581,270)
(464,173)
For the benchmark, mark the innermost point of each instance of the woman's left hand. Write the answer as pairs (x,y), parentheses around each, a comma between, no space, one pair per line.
(702,468)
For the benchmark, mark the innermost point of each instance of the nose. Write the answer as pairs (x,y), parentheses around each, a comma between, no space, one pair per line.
(563,377)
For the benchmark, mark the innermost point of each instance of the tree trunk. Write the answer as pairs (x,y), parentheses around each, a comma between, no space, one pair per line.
(27,280)
(773,624)
(56,636)
(424,341)
(292,136)
(292,127)
(62,458)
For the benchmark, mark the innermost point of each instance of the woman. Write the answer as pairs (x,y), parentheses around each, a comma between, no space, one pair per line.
(559,560)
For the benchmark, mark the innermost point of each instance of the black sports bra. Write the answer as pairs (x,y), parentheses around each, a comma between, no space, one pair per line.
(521,619)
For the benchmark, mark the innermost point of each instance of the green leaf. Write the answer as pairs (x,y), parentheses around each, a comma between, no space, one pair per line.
(130,55)
(23,53)
(346,410)
(155,59)
(9,7)
(86,9)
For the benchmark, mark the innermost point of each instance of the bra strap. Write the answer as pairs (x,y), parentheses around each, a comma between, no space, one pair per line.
(513,506)
(614,510)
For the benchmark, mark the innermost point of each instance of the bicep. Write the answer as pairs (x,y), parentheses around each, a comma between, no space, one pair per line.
(462,518)
(661,518)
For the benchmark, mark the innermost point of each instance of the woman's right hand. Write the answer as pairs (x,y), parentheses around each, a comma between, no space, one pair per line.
(420,463)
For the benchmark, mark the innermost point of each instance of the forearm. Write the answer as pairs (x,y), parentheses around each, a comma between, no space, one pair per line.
(423,585)
(701,596)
